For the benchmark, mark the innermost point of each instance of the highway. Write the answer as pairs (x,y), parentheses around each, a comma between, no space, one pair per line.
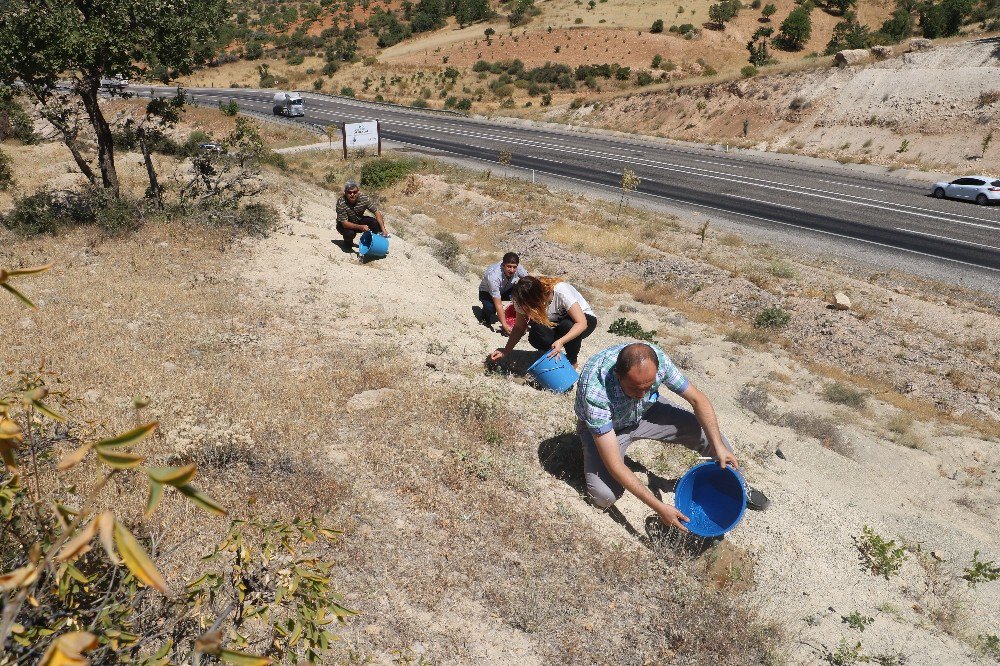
(880,211)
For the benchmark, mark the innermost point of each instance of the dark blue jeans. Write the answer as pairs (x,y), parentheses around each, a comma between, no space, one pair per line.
(489,311)
(541,337)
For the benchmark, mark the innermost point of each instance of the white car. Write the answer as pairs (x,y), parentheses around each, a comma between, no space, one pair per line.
(984,190)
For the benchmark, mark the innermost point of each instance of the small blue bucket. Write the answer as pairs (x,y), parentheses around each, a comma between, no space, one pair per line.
(555,374)
(714,498)
(373,246)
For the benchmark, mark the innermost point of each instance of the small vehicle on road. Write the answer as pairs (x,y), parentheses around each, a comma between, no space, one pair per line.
(114,84)
(984,190)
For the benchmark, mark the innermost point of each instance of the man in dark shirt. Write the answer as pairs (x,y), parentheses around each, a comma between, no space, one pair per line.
(351,218)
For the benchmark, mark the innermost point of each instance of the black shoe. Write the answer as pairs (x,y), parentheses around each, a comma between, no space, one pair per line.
(756,500)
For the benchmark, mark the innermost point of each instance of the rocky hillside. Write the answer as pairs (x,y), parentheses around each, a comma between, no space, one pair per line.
(930,109)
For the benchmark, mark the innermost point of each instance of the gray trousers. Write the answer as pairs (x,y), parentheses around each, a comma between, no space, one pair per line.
(662,422)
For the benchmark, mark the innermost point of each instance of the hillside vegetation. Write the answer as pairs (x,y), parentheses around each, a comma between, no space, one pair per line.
(423,53)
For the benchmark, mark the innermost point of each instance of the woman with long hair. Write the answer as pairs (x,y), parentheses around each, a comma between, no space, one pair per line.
(556,316)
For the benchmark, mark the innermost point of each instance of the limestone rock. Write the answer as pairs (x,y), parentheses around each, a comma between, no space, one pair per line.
(370,399)
(921,44)
(850,57)
(841,301)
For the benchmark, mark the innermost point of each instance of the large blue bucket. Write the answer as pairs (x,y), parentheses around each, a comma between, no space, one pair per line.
(372,246)
(556,374)
(714,498)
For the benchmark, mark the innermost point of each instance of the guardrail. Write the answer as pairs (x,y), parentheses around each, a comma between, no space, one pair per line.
(388,104)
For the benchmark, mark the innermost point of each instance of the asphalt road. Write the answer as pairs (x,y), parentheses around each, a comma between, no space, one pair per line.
(880,211)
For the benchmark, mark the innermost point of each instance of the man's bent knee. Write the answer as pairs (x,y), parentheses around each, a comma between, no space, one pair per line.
(602,496)
(602,500)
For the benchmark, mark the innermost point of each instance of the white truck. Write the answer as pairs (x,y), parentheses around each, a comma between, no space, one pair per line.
(288,104)
(114,84)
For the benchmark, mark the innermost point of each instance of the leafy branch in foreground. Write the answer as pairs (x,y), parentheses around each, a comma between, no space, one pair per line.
(79,587)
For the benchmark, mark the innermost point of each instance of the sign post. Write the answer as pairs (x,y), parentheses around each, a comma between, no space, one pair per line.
(362,135)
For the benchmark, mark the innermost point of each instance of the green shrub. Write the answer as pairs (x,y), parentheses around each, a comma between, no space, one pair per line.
(116,216)
(34,214)
(842,394)
(7,180)
(419,103)
(125,139)
(857,621)
(630,328)
(989,645)
(449,252)
(384,172)
(15,123)
(748,71)
(257,219)
(464,104)
(772,318)
(881,557)
(230,108)
(657,26)
(981,571)
(643,78)
(347,91)
(274,159)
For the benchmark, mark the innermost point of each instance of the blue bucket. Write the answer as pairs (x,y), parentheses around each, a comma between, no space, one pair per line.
(373,246)
(714,498)
(555,374)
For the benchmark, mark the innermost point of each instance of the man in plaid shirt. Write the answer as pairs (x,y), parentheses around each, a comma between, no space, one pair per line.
(617,402)
(351,218)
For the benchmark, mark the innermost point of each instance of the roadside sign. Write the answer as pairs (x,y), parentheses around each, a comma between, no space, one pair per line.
(362,135)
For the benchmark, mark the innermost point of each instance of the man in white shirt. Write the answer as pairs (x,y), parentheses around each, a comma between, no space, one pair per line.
(498,281)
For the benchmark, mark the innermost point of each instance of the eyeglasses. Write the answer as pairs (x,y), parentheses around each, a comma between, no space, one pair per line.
(352,193)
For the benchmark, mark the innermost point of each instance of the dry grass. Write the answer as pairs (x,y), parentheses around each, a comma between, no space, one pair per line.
(158,314)
(921,410)
(616,242)
(440,501)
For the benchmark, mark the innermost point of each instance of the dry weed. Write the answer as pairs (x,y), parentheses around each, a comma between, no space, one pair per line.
(613,242)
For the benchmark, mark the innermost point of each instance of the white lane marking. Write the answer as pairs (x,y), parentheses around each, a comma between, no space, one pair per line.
(761,201)
(731,166)
(860,187)
(727,212)
(949,238)
(707,173)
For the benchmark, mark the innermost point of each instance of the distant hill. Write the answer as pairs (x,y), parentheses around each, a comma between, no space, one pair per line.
(485,56)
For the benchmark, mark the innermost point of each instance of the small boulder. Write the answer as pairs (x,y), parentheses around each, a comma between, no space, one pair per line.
(921,44)
(849,57)
(369,399)
(841,301)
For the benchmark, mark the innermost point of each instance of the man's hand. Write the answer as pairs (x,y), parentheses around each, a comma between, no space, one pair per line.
(497,355)
(671,516)
(726,457)
(557,348)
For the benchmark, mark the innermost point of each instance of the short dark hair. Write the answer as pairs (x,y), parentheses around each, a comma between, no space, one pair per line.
(633,355)
(511,258)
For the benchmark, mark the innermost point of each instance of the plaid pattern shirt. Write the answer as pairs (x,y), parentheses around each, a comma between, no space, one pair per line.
(603,405)
(355,213)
